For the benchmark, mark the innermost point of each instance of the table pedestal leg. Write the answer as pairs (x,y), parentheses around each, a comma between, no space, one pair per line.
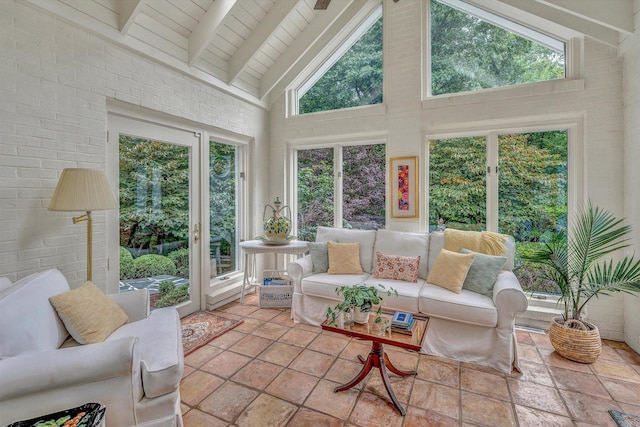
(378,359)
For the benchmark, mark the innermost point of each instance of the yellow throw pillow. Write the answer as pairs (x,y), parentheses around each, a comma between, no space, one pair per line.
(344,258)
(450,270)
(88,314)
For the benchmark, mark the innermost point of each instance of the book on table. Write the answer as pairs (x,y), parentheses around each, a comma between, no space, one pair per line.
(400,318)
(405,330)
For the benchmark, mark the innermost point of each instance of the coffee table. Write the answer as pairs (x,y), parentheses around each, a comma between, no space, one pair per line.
(377,358)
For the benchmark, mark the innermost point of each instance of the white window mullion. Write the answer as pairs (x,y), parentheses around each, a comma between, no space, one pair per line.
(337,185)
(492,181)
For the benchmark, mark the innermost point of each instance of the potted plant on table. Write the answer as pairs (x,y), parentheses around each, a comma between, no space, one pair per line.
(358,302)
(575,263)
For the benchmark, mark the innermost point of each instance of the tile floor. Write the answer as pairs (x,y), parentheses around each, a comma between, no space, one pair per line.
(270,372)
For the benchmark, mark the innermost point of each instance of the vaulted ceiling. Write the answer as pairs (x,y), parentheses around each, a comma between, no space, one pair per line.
(255,49)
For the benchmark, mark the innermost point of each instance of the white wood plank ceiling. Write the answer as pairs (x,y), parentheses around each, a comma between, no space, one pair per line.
(255,49)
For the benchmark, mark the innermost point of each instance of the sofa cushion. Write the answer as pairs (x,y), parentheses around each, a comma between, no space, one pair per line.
(324,285)
(35,325)
(396,267)
(406,244)
(161,354)
(319,256)
(366,238)
(344,258)
(88,314)
(407,299)
(450,270)
(483,272)
(436,243)
(467,307)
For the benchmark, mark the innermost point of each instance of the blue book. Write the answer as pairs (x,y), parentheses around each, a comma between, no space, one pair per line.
(403,327)
(400,318)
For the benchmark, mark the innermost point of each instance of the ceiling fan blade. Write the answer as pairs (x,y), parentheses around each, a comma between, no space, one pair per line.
(321,4)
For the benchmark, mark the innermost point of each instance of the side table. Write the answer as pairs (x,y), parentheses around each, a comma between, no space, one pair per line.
(253,247)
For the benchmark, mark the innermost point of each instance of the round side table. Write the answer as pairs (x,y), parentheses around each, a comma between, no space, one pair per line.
(253,247)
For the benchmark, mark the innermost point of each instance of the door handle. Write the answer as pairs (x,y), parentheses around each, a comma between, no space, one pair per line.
(196,233)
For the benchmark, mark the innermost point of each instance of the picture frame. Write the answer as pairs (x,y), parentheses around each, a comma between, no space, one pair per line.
(404,187)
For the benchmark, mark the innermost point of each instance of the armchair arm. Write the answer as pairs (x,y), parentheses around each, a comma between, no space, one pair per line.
(298,269)
(509,299)
(134,303)
(67,367)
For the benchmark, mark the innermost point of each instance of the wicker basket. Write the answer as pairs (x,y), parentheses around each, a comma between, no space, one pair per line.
(580,345)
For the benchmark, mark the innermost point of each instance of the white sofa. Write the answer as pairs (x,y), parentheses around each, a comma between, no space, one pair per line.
(469,326)
(135,372)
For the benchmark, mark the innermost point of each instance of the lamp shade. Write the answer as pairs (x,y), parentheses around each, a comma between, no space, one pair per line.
(82,190)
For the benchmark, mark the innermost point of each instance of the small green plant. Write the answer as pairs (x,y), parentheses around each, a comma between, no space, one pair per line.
(362,296)
(126,264)
(181,259)
(171,295)
(151,265)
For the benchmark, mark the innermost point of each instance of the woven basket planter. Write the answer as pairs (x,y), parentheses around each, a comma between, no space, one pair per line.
(580,345)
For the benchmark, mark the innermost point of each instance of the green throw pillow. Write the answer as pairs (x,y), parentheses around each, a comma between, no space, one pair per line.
(483,272)
(319,256)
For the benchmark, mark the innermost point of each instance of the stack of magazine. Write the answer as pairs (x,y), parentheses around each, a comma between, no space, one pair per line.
(403,323)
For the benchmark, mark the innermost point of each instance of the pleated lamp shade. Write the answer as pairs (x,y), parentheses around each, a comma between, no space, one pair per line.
(82,190)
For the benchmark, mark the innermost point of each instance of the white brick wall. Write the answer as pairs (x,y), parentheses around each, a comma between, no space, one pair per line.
(406,122)
(54,83)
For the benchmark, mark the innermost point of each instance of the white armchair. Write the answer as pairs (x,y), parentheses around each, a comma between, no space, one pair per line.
(135,372)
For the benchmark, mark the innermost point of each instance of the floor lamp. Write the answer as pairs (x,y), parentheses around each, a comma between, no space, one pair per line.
(83,190)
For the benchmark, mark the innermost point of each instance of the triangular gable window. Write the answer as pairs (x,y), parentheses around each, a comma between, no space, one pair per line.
(352,76)
(473,49)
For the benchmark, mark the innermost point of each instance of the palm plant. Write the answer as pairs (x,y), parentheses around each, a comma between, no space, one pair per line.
(574,261)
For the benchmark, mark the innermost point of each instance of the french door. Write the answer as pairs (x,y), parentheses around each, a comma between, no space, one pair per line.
(159,224)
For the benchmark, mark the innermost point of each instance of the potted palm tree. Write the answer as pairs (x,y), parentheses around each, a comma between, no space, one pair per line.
(575,262)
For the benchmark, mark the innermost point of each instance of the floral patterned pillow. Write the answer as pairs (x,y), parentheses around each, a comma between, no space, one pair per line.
(397,267)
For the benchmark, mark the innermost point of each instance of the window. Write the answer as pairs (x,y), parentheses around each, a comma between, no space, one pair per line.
(350,195)
(473,49)
(350,78)
(527,197)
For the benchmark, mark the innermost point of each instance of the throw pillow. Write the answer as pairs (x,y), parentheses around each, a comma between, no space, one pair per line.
(319,256)
(88,314)
(450,269)
(397,267)
(344,258)
(483,272)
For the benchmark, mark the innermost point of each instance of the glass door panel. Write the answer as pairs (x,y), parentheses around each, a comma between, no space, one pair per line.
(457,183)
(315,191)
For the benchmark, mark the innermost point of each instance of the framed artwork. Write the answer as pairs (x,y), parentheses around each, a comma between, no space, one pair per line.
(404,187)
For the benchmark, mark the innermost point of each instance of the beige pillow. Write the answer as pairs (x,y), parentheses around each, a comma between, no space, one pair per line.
(344,258)
(450,270)
(88,314)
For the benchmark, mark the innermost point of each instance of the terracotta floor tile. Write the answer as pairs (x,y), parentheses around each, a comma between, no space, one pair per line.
(264,313)
(292,385)
(402,359)
(616,344)
(529,353)
(298,337)
(227,339)
(542,341)
(202,355)
(486,411)
(439,371)
(567,379)
(630,409)
(435,397)
(418,417)
(342,371)
(524,338)
(280,353)
(248,325)
(610,353)
(195,387)
(308,418)
(251,345)
(484,383)
(241,310)
(617,370)
(629,356)
(554,359)
(372,411)
(271,331)
(529,417)
(536,396)
(324,399)
(328,344)
(226,364)
(587,408)
(228,401)
(622,391)
(196,418)
(284,318)
(312,362)
(257,374)
(535,373)
(354,349)
(401,386)
(266,410)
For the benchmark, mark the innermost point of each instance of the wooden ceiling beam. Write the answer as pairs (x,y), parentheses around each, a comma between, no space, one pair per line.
(128,10)
(206,29)
(614,14)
